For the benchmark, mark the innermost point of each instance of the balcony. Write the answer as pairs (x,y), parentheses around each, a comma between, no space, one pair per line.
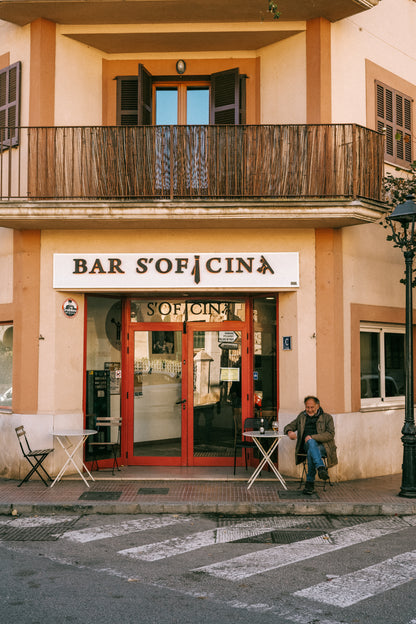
(280,166)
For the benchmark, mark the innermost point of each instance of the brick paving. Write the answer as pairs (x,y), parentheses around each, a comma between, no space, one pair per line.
(127,492)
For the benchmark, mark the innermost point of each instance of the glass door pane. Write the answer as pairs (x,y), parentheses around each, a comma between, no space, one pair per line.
(197,106)
(216,391)
(157,393)
(166,106)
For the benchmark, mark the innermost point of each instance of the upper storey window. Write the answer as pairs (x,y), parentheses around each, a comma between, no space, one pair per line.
(10,104)
(394,113)
(161,100)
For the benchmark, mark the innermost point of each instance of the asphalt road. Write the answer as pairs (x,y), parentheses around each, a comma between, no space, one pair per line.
(168,569)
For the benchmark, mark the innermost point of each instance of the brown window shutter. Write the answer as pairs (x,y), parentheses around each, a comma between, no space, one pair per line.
(225,97)
(127,103)
(394,113)
(243,79)
(145,80)
(10,104)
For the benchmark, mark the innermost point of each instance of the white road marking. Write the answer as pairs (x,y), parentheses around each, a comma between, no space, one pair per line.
(287,612)
(38,521)
(349,589)
(123,528)
(245,566)
(180,545)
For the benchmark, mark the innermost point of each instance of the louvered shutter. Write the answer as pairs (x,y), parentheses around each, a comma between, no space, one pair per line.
(127,101)
(394,114)
(10,104)
(225,97)
(144,97)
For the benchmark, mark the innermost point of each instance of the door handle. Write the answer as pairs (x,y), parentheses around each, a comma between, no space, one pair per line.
(180,402)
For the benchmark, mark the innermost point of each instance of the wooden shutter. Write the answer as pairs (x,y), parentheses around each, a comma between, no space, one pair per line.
(127,102)
(10,104)
(144,97)
(394,113)
(225,97)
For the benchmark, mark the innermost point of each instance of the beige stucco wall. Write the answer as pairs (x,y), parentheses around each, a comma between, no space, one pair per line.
(62,339)
(384,35)
(78,89)
(16,41)
(283,81)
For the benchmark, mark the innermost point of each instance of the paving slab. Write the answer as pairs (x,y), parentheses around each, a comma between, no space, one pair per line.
(130,492)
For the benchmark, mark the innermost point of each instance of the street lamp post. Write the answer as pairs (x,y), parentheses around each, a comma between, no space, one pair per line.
(404,215)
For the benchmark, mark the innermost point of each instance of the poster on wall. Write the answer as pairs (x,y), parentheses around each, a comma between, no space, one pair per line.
(115,376)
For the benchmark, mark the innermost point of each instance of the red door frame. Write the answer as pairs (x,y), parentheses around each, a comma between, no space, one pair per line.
(127,389)
(246,391)
(128,449)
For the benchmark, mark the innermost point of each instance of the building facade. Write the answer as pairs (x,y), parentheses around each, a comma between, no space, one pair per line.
(190,206)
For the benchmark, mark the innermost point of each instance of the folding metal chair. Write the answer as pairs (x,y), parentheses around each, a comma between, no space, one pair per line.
(35,458)
(104,424)
(305,471)
(240,442)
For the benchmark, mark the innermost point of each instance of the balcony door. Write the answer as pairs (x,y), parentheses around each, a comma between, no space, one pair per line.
(179,104)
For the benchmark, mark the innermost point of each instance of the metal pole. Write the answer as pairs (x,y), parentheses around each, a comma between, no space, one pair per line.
(408,487)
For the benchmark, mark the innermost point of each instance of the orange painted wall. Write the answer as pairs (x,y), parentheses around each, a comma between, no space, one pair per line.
(318,71)
(26,289)
(42,73)
(4,60)
(329,319)
(194,67)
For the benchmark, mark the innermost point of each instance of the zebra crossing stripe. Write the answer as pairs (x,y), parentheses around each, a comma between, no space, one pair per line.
(123,528)
(245,566)
(180,545)
(349,589)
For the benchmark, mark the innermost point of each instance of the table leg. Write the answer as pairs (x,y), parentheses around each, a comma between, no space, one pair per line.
(266,459)
(72,461)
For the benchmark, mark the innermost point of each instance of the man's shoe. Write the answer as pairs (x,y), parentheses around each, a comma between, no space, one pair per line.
(309,488)
(323,473)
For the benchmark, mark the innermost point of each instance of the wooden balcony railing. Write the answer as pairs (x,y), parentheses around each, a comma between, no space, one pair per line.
(176,162)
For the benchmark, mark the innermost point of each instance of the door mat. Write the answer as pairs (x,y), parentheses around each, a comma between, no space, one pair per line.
(159,491)
(100,496)
(296,494)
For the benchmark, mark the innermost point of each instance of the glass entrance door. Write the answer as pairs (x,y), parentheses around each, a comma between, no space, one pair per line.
(157,395)
(216,380)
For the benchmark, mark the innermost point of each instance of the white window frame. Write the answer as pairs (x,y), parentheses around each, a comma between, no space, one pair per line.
(381,330)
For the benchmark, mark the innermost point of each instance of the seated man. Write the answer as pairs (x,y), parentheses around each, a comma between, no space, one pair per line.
(314,433)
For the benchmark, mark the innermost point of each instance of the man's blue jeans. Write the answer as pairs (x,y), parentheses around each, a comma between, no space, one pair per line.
(314,453)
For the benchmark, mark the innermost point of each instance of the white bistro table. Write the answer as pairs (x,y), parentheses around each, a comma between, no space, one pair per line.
(266,453)
(70,447)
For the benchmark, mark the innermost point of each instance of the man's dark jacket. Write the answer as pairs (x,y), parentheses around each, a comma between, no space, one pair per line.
(325,435)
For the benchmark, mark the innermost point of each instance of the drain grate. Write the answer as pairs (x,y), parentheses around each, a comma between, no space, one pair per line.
(294,494)
(283,537)
(159,491)
(100,496)
(35,529)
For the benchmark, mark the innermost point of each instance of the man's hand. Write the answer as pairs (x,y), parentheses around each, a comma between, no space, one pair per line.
(291,435)
(308,438)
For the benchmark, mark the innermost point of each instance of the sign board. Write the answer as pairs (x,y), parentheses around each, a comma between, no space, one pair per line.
(227,336)
(228,346)
(230,374)
(182,271)
(70,307)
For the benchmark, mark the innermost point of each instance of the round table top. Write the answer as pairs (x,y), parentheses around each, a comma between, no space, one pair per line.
(74,432)
(269,433)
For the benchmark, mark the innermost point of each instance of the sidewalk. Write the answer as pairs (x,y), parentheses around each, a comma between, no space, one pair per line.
(136,490)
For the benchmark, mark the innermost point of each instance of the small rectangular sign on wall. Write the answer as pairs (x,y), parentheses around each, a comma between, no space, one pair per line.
(287,343)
